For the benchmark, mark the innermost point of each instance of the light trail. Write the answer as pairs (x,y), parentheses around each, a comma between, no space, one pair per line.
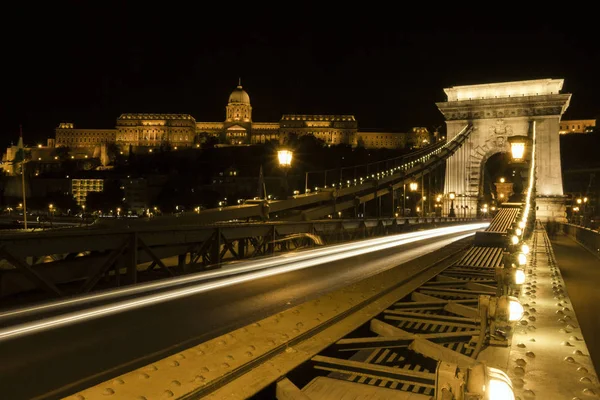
(239,268)
(131,304)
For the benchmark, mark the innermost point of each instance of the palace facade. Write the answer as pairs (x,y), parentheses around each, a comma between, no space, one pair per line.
(149,130)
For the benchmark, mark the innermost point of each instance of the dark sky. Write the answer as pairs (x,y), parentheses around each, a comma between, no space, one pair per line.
(88,65)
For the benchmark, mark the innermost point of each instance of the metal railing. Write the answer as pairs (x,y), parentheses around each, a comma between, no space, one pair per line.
(588,238)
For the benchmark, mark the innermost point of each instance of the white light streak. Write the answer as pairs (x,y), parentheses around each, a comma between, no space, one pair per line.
(130,304)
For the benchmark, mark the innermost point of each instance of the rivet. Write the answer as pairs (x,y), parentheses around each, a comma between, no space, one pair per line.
(528,394)
(251,347)
(167,394)
(199,352)
(204,369)
(285,335)
(174,364)
(143,376)
(589,392)
(225,365)
(290,350)
(585,379)
(175,383)
(521,345)
(199,379)
(533,310)
(141,398)
(222,342)
(271,343)
(569,359)
(249,354)
(521,363)
(80,397)
(299,325)
(519,371)
(257,324)
(525,313)
(151,368)
(531,318)
(559,312)
(566,309)
(530,354)
(565,343)
(578,352)
(583,370)
(523,322)
(230,358)
(532,340)
(518,383)
(531,328)
(180,356)
(119,382)
(108,392)
(295,331)
(575,338)
(230,336)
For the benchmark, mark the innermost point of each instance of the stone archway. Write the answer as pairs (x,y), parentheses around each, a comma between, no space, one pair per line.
(498,111)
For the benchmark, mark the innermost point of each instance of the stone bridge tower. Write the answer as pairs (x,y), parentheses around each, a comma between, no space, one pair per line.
(498,111)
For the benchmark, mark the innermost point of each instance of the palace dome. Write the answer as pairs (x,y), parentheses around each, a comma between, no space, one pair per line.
(239,95)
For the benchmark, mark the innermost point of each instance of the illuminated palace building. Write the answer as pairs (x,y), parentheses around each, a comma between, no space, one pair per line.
(182,130)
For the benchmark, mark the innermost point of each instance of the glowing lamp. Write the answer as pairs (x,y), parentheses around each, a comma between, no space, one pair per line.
(499,385)
(413,186)
(514,240)
(452,195)
(525,248)
(522,259)
(285,158)
(518,145)
(519,276)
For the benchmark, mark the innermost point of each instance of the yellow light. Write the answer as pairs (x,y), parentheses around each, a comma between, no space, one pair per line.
(150,151)
(522,258)
(175,148)
(578,201)
(519,232)
(514,240)
(438,199)
(499,390)
(517,149)
(501,195)
(515,310)
(413,186)
(502,180)
(285,158)
(585,199)
(50,205)
(519,276)
(452,195)
(521,224)
(525,248)
(39,146)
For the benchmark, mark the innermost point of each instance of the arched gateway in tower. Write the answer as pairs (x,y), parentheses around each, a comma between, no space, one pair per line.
(498,111)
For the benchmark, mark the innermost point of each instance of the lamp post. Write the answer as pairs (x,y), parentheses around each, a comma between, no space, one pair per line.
(413,186)
(285,162)
(452,196)
(520,154)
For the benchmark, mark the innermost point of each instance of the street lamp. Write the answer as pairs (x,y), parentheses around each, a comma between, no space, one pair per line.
(452,196)
(285,162)
(413,186)
(518,147)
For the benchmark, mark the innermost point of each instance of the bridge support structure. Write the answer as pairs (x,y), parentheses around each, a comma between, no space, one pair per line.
(498,111)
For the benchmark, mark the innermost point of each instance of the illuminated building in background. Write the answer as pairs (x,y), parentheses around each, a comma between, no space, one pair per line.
(67,135)
(577,126)
(174,131)
(81,187)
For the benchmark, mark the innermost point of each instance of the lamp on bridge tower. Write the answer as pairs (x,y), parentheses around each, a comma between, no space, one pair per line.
(520,149)
(452,196)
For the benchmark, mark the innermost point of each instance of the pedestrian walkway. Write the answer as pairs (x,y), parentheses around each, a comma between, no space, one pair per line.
(548,357)
(580,270)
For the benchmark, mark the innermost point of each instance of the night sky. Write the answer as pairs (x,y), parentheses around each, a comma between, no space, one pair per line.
(88,65)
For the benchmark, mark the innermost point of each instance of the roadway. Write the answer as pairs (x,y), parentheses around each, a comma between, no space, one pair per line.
(580,270)
(53,363)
